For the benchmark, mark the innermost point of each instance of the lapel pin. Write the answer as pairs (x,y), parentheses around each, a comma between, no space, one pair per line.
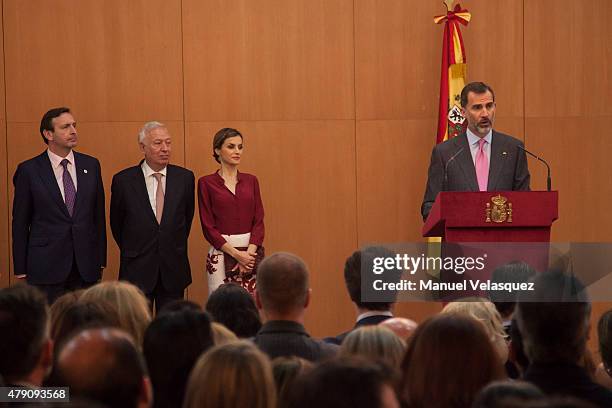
(85,171)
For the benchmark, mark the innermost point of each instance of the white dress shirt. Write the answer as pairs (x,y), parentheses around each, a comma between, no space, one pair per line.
(151,183)
(58,170)
(374,313)
(473,141)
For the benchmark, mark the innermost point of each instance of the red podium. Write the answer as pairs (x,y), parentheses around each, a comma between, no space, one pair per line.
(507,225)
(505,216)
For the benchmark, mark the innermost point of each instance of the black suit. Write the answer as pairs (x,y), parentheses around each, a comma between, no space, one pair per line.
(507,168)
(366,321)
(284,338)
(48,243)
(153,254)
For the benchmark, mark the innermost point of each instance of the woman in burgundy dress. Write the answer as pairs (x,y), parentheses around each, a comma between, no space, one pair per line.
(232,215)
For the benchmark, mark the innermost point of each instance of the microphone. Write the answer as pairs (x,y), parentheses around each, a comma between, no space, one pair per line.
(543,161)
(446,166)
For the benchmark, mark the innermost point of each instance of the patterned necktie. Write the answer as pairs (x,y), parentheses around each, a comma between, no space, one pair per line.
(159,197)
(69,190)
(482,166)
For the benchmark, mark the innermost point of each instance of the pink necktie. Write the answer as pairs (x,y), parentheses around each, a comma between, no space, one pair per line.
(159,197)
(482,166)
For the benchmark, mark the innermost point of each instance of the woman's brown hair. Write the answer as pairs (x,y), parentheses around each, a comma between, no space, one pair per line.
(231,375)
(448,360)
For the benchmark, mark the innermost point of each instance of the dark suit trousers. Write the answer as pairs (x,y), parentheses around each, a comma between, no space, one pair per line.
(74,281)
(161,297)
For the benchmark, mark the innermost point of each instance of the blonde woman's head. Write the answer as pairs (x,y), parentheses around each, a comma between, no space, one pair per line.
(221,334)
(376,343)
(485,312)
(129,301)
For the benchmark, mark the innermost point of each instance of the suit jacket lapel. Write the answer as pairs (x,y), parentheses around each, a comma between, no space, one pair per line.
(140,189)
(49,181)
(466,163)
(496,161)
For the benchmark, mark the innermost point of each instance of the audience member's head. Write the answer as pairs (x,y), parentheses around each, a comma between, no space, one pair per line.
(448,360)
(232,306)
(26,348)
(178,305)
(106,366)
(233,375)
(172,344)
(286,371)
(129,301)
(604,334)
(58,308)
(345,383)
(513,272)
(554,319)
(484,311)
(502,394)
(375,343)
(352,277)
(222,334)
(282,287)
(85,314)
(401,326)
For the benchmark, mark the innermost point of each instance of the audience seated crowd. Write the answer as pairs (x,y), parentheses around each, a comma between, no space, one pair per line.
(104,344)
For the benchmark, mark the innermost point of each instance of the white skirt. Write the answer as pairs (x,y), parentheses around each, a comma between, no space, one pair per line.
(215,262)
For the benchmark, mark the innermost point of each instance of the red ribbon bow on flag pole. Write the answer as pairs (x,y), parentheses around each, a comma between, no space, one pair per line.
(458,14)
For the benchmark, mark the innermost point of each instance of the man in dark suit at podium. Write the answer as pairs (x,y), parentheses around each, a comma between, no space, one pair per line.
(151,210)
(59,227)
(481,159)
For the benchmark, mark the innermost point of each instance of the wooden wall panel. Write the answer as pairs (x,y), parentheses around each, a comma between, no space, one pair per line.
(578,152)
(268,59)
(5,217)
(5,225)
(306,172)
(398,56)
(397,59)
(112,61)
(114,144)
(494,50)
(392,161)
(568,58)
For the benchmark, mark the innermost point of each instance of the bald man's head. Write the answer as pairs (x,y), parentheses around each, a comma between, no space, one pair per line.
(104,365)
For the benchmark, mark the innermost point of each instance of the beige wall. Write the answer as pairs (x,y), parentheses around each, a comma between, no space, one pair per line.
(337,100)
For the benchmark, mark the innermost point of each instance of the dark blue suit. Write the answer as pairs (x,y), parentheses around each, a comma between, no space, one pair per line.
(47,242)
(366,321)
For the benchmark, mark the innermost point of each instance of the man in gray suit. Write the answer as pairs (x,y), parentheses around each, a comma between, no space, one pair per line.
(481,159)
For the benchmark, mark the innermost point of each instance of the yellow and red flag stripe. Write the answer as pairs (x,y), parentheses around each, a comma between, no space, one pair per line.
(450,121)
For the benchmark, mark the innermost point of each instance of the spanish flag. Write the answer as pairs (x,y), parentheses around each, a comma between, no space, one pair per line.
(450,121)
